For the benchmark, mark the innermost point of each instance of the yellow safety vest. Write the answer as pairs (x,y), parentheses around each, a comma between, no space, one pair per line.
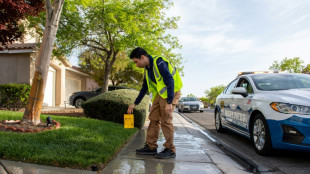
(159,87)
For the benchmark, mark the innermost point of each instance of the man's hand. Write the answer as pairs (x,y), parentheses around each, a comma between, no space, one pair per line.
(168,108)
(130,109)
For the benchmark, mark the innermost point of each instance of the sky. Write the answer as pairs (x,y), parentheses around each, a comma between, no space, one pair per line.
(221,38)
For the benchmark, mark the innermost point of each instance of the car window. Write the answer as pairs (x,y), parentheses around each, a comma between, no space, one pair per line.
(99,90)
(189,99)
(243,82)
(230,87)
(111,88)
(271,82)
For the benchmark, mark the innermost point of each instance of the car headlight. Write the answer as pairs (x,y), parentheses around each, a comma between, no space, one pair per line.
(290,108)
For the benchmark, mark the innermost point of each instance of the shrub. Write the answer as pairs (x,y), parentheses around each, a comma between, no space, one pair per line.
(112,106)
(13,96)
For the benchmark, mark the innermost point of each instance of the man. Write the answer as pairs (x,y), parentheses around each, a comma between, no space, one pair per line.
(164,82)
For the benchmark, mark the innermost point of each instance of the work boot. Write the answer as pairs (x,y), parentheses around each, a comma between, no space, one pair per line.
(146,150)
(166,153)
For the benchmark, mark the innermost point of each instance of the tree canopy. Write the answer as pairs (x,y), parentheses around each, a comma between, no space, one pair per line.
(306,69)
(293,65)
(190,95)
(124,72)
(213,92)
(110,28)
(11,14)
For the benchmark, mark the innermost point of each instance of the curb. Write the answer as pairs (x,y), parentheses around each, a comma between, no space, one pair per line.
(5,169)
(123,148)
(242,160)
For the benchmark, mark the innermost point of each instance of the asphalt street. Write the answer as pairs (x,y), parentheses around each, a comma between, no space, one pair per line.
(280,162)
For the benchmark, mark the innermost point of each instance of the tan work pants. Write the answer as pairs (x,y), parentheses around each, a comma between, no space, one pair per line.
(158,117)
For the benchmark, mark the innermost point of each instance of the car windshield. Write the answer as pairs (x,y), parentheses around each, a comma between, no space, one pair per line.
(190,99)
(98,89)
(271,82)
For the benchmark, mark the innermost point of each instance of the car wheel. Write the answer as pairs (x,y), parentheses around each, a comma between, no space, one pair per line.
(260,135)
(78,102)
(180,110)
(201,111)
(218,122)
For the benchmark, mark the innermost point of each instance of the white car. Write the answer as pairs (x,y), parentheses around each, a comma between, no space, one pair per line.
(190,104)
(271,109)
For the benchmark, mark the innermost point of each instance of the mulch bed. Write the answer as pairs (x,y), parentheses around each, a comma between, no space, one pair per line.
(72,112)
(17,126)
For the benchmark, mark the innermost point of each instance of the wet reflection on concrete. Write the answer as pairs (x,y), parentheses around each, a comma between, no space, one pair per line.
(130,166)
(195,154)
(190,156)
(26,168)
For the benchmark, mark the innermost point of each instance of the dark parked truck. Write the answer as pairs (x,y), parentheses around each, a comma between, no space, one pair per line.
(77,98)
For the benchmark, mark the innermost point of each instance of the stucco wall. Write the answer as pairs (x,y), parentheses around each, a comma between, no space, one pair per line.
(15,68)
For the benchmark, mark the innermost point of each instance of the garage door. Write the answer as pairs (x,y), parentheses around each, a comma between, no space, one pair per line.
(72,85)
(49,93)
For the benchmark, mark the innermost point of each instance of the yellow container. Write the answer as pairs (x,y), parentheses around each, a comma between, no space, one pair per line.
(128,121)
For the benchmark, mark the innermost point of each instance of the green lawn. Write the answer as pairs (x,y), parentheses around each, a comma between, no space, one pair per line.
(79,143)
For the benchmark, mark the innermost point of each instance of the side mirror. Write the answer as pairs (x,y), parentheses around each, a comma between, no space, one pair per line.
(240,90)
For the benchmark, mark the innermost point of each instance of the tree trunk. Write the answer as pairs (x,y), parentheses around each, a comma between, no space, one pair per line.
(107,71)
(36,96)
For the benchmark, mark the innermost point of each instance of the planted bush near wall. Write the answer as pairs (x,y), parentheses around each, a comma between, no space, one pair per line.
(111,106)
(14,96)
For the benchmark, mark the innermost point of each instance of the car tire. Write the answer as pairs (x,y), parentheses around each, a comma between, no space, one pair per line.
(218,122)
(260,135)
(201,111)
(180,110)
(78,102)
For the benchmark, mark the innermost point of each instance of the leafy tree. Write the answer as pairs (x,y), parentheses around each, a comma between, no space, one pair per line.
(36,96)
(306,69)
(191,95)
(131,76)
(109,28)
(124,72)
(205,101)
(12,13)
(214,92)
(293,65)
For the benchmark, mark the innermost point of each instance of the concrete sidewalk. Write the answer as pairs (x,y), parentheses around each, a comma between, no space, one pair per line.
(195,154)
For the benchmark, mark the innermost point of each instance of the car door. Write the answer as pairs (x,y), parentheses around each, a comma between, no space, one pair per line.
(242,106)
(225,100)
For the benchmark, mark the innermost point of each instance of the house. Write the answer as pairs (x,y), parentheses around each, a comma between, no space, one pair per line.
(17,65)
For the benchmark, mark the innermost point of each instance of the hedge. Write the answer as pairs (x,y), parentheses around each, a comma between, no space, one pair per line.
(13,96)
(111,106)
